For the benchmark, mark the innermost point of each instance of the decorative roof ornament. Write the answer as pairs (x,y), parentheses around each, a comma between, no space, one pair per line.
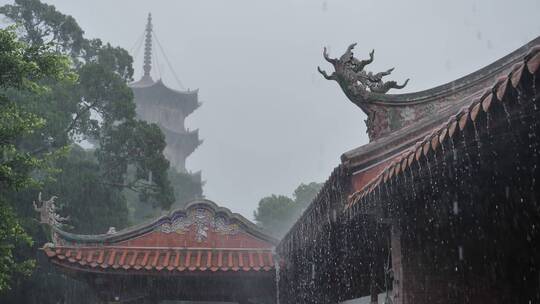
(148,48)
(198,241)
(47,212)
(167,107)
(363,88)
(354,80)
(146,80)
(203,220)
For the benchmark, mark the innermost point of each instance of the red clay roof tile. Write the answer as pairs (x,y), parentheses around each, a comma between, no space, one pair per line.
(502,87)
(158,259)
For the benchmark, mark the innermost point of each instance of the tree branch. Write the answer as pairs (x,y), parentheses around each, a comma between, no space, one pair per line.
(78,115)
(135,186)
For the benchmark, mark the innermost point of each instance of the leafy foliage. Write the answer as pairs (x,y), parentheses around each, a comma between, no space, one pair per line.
(43,24)
(11,236)
(21,69)
(57,89)
(98,206)
(97,107)
(186,187)
(277,213)
(305,193)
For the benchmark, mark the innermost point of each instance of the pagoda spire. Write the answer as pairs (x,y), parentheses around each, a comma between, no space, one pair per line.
(148,49)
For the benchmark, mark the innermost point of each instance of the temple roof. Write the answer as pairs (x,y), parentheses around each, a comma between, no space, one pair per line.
(187,141)
(443,101)
(157,92)
(160,259)
(199,237)
(374,164)
(388,115)
(148,90)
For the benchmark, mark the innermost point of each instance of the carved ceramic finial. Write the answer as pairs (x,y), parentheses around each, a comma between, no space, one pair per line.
(354,80)
(363,88)
(47,212)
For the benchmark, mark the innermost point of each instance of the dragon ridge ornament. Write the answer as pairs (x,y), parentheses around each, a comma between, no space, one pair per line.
(354,80)
(203,220)
(365,89)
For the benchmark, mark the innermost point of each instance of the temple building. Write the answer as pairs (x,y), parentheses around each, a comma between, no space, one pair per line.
(157,103)
(441,206)
(199,253)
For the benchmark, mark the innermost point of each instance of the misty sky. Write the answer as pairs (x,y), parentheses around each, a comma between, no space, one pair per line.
(269,121)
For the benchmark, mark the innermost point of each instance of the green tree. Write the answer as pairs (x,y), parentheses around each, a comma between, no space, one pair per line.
(85,97)
(98,107)
(99,206)
(43,24)
(277,213)
(22,67)
(305,193)
(186,187)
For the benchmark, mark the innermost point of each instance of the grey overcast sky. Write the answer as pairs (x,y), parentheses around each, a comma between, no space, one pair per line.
(268,120)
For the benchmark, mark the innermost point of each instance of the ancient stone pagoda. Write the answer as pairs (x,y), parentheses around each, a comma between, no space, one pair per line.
(200,253)
(443,204)
(168,108)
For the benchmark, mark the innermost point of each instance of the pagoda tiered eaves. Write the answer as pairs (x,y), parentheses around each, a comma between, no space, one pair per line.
(158,93)
(168,108)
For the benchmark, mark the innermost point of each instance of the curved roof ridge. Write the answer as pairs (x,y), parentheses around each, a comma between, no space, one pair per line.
(160,82)
(186,132)
(407,125)
(458,84)
(433,141)
(150,225)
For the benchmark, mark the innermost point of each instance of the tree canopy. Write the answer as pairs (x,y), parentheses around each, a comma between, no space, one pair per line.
(98,107)
(68,128)
(22,68)
(277,213)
